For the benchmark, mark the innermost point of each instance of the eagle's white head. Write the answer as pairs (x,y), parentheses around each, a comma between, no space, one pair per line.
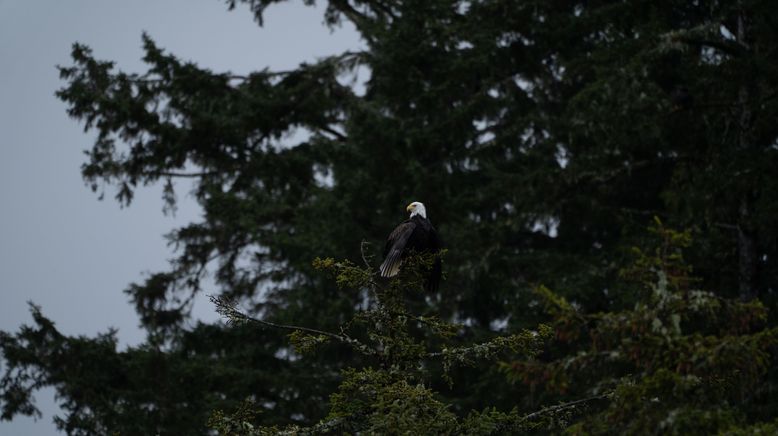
(417,208)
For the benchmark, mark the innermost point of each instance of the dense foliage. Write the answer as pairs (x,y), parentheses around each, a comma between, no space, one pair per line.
(682,361)
(543,137)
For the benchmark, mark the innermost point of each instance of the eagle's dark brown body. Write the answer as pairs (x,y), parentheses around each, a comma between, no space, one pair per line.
(414,235)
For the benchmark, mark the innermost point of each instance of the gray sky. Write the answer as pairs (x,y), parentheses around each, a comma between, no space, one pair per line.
(59,246)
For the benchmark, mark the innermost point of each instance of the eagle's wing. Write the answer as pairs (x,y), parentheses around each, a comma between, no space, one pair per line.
(395,245)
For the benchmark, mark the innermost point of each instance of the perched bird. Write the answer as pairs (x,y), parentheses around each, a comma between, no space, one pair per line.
(414,235)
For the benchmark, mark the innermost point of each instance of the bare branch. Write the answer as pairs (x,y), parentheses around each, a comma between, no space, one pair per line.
(366,258)
(145,79)
(185,175)
(230,311)
(341,137)
(565,406)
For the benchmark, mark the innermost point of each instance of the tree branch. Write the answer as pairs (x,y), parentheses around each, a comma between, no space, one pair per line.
(564,406)
(385,9)
(730,48)
(185,175)
(341,137)
(228,310)
(363,247)
(142,79)
(359,19)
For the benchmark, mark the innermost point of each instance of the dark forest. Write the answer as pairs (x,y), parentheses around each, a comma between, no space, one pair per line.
(602,175)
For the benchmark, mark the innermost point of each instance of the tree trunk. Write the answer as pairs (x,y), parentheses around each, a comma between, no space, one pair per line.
(747,255)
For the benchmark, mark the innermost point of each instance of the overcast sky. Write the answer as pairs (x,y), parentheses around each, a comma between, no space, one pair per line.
(60,247)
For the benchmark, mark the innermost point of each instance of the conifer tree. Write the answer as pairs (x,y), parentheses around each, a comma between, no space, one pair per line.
(542,136)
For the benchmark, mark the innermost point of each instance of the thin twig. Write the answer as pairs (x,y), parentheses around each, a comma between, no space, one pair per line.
(363,246)
(564,406)
(552,409)
(229,311)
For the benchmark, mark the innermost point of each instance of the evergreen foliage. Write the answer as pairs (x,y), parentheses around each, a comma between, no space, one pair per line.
(542,136)
(391,393)
(682,361)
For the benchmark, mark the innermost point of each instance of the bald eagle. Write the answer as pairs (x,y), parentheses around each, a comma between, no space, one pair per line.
(417,235)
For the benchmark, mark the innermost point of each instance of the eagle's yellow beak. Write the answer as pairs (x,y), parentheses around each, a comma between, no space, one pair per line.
(409,208)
